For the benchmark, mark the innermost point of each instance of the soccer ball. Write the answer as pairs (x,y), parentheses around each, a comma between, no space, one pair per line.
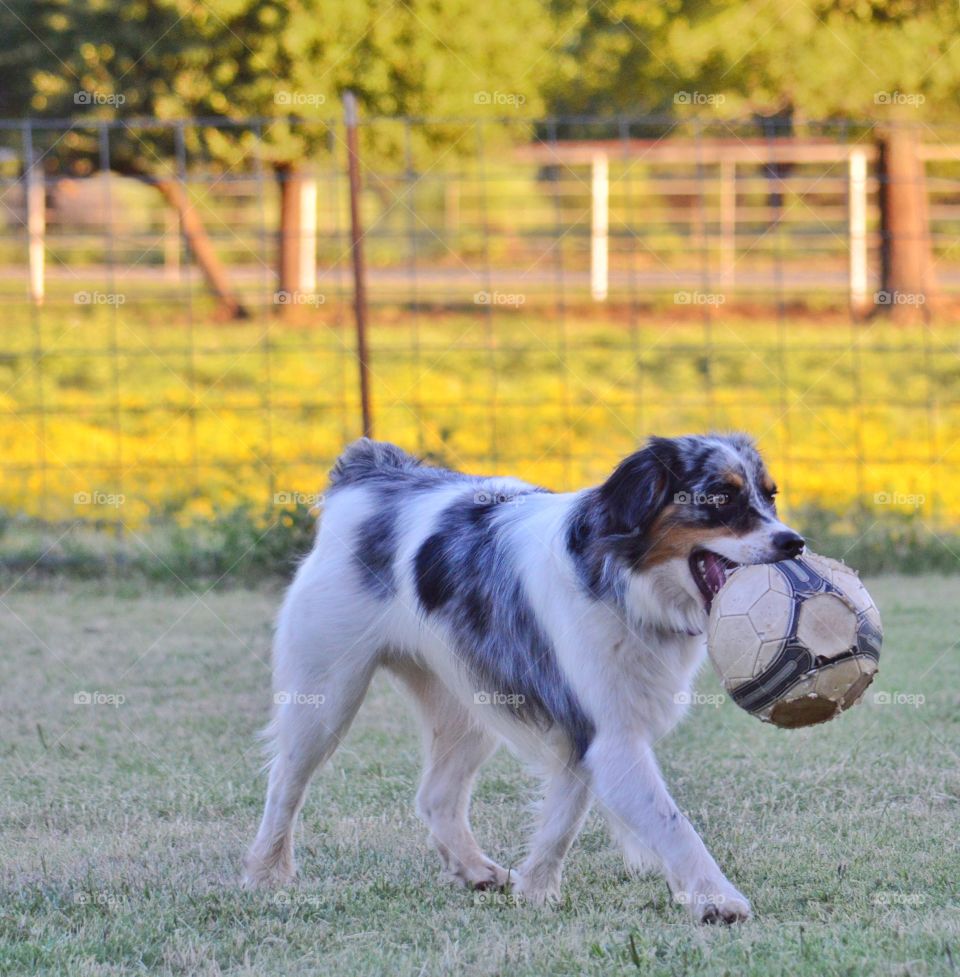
(797,642)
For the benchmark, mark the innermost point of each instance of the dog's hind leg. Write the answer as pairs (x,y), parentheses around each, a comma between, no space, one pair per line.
(316,698)
(455,746)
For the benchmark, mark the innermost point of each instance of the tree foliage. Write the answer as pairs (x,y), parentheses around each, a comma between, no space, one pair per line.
(817,59)
(287,62)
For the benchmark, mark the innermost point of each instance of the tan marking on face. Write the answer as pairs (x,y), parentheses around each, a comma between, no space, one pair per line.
(734,478)
(767,482)
(671,538)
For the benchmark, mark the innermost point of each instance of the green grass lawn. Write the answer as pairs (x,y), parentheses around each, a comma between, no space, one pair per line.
(123,824)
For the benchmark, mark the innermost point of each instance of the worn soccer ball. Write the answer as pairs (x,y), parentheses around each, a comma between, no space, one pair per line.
(795,643)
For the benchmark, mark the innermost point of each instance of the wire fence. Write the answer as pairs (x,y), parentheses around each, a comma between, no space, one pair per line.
(541,295)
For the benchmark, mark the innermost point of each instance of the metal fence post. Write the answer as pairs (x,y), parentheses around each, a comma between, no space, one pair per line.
(356,252)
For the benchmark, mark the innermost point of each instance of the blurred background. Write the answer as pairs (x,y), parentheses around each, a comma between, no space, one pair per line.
(511,237)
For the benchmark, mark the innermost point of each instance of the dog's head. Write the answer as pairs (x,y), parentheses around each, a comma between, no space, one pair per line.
(686,510)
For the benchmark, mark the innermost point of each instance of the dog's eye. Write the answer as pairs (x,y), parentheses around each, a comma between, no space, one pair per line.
(722,497)
(771,493)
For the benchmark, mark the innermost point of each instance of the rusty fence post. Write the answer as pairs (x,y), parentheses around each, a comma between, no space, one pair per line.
(356,252)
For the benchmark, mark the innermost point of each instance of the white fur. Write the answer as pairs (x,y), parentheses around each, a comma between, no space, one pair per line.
(631,678)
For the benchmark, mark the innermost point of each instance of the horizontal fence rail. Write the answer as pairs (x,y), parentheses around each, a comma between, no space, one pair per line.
(538,295)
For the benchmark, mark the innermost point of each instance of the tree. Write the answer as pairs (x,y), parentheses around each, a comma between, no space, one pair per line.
(108,61)
(820,59)
(854,61)
(286,62)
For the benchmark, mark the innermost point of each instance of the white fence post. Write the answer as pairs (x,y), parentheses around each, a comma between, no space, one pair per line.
(728,221)
(36,229)
(599,231)
(858,227)
(307,272)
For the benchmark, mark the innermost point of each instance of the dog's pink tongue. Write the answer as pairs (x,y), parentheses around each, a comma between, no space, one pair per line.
(713,572)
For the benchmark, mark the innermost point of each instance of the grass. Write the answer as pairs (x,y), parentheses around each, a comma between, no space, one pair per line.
(136,412)
(123,824)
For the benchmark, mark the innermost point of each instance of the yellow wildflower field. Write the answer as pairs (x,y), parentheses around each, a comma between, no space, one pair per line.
(139,411)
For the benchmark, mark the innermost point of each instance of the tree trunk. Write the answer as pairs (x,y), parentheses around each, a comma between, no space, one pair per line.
(201,247)
(291,235)
(908,287)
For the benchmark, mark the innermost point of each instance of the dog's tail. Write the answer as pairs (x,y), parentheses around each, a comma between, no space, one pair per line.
(366,459)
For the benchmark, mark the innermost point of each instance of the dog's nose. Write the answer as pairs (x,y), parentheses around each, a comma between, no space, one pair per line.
(788,545)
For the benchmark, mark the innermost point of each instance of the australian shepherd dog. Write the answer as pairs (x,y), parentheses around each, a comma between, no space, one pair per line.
(569,625)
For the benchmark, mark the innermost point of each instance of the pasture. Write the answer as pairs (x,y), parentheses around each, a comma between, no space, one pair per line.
(131,788)
(123,413)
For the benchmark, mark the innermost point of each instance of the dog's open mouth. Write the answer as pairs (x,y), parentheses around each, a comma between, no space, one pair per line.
(710,571)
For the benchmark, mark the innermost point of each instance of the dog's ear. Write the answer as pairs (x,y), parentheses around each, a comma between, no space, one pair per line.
(640,487)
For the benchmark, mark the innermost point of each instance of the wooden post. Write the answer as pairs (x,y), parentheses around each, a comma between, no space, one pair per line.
(857,221)
(35,200)
(599,232)
(908,284)
(356,251)
(288,257)
(728,222)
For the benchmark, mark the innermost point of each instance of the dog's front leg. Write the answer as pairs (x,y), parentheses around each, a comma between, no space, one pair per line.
(643,815)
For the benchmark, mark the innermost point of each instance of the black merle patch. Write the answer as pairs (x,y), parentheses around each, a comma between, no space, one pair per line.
(433,573)
(375,552)
(465,577)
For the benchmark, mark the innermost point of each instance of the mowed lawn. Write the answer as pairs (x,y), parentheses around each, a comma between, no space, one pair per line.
(123,821)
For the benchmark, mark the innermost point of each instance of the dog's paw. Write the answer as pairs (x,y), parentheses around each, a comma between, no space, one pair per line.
(537,895)
(538,888)
(481,874)
(715,902)
(267,873)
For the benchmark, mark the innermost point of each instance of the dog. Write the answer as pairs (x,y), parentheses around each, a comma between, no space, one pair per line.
(569,625)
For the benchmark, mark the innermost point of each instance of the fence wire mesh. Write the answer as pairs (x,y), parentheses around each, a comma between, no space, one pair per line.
(542,295)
